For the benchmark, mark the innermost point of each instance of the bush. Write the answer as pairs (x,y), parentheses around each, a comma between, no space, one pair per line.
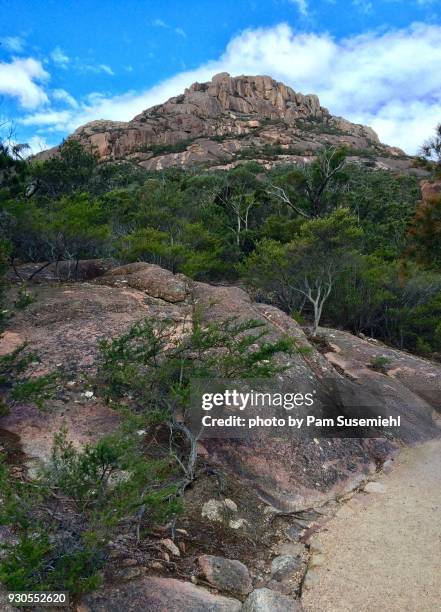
(380,364)
(17,386)
(154,362)
(64,517)
(24,299)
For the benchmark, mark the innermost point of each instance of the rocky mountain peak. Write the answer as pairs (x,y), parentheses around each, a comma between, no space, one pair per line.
(227,120)
(260,95)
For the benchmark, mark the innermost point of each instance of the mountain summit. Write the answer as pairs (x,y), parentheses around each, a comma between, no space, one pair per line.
(226,120)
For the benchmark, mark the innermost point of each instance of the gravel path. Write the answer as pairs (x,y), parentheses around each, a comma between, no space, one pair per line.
(382,552)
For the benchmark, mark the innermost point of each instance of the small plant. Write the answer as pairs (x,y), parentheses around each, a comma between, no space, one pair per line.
(17,386)
(298,317)
(38,562)
(15,364)
(24,299)
(153,362)
(422,347)
(36,390)
(64,517)
(150,368)
(380,364)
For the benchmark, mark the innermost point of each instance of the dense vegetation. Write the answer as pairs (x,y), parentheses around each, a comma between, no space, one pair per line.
(330,242)
(65,516)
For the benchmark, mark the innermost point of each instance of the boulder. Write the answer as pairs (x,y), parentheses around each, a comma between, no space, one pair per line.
(284,566)
(155,281)
(171,547)
(161,594)
(411,381)
(215,510)
(63,326)
(62,271)
(276,467)
(226,574)
(266,600)
(294,549)
(288,473)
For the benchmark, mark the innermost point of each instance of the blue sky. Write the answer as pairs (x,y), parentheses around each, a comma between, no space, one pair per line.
(63,63)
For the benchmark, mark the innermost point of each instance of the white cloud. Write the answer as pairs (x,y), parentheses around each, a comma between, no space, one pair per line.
(60,120)
(22,78)
(61,95)
(95,68)
(59,57)
(14,44)
(390,80)
(158,23)
(105,68)
(302,5)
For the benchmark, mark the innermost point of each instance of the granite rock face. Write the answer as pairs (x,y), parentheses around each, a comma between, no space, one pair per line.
(292,473)
(224,121)
(289,473)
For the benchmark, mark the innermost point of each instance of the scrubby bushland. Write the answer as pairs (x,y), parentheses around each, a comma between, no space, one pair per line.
(150,369)
(65,516)
(219,226)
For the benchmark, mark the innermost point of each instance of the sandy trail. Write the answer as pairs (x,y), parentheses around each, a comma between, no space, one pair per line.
(383,549)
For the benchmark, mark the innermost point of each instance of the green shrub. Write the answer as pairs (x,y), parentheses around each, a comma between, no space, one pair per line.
(24,299)
(423,347)
(64,517)
(380,364)
(154,362)
(298,317)
(18,386)
(164,149)
(36,390)
(15,364)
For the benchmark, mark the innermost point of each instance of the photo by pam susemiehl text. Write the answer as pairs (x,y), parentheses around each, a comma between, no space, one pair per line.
(298,423)
(221,408)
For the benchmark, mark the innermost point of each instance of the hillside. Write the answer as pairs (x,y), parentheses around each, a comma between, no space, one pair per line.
(315,281)
(230,119)
(248,518)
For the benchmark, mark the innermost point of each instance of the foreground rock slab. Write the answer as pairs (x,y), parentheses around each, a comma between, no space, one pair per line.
(66,322)
(157,595)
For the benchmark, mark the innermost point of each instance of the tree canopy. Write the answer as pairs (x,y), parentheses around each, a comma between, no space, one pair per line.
(328,241)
